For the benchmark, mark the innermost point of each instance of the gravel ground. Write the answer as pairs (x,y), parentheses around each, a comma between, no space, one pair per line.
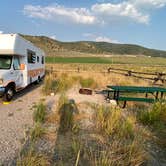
(15,119)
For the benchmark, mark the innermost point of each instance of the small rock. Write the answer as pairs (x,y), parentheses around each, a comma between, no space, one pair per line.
(10,114)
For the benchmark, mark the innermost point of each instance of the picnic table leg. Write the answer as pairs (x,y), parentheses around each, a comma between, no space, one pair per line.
(162,95)
(108,95)
(117,97)
(124,104)
(146,95)
(157,94)
(114,95)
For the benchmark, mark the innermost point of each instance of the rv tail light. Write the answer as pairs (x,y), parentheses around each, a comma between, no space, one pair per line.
(1,81)
(22,67)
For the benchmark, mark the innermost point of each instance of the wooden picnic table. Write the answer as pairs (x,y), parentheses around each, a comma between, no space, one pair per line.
(157,92)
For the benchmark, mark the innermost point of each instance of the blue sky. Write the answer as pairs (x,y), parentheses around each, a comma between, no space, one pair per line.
(140,22)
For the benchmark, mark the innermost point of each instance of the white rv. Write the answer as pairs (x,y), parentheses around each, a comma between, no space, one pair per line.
(21,63)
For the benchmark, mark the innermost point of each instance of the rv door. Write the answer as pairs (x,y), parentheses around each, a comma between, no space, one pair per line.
(16,73)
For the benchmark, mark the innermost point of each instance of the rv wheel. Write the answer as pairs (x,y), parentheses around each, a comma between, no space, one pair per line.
(38,80)
(8,94)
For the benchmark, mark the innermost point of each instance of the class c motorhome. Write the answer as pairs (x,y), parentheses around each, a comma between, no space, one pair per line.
(21,63)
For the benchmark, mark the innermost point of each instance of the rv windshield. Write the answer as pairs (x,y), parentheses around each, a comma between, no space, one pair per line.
(5,61)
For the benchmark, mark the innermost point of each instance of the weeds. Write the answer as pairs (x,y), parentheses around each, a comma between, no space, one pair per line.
(111,122)
(33,159)
(50,85)
(116,153)
(60,84)
(88,83)
(37,132)
(39,113)
(155,115)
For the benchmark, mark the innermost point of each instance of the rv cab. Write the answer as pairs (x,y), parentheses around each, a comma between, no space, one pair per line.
(21,63)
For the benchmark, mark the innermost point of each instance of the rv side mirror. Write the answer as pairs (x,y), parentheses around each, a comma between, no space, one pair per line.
(22,66)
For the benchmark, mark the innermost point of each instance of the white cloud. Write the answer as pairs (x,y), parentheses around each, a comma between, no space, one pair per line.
(1,32)
(99,38)
(53,37)
(61,14)
(105,39)
(149,3)
(89,35)
(100,13)
(122,10)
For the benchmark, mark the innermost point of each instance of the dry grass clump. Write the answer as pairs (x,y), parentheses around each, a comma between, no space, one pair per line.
(50,84)
(37,132)
(33,159)
(112,122)
(123,145)
(88,83)
(155,119)
(155,115)
(39,113)
(61,83)
(117,153)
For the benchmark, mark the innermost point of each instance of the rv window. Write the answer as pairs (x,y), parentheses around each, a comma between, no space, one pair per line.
(16,63)
(37,59)
(5,61)
(31,57)
(42,59)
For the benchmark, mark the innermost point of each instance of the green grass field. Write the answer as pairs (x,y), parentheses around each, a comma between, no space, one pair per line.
(113,60)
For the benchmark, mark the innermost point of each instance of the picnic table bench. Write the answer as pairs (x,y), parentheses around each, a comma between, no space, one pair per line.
(117,92)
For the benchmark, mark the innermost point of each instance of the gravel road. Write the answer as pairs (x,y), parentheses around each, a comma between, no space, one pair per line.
(15,119)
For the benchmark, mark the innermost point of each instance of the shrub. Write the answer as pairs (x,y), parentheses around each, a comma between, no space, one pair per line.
(39,113)
(88,83)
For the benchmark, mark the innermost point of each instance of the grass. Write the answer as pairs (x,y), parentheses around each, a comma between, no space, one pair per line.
(88,83)
(33,159)
(111,122)
(113,60)
(59,84)
(39,113)
(116,137)
(50,85)
(37,132)
(155,119)
(157,114)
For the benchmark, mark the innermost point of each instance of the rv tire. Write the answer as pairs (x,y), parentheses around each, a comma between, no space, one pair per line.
(9,93)
(38,80)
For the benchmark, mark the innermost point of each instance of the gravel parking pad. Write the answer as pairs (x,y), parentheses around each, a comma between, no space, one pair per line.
(15,119)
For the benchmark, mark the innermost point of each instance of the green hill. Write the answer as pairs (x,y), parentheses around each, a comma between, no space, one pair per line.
(88,48)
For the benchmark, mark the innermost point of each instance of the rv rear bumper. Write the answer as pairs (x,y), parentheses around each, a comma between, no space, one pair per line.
(2,91)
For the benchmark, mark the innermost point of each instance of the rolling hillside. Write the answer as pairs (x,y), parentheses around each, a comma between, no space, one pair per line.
(82,48)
